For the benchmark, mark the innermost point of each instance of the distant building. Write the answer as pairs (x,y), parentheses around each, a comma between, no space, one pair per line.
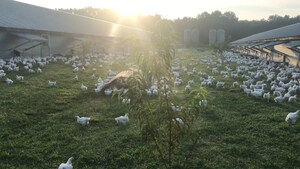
(29,30)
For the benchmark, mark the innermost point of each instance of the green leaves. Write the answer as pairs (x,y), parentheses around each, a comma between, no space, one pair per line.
(157,117)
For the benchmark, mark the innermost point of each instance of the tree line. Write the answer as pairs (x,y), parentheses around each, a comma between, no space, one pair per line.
(235,29)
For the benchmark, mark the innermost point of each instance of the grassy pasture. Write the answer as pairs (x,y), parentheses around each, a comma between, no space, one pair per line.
(38,127)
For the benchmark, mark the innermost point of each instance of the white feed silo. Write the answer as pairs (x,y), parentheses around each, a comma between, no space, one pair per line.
(195,36)
(212,36)
(221,36)
(187,36)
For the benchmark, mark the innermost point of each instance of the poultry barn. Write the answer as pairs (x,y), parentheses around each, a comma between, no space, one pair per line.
(279,45)
(28,30)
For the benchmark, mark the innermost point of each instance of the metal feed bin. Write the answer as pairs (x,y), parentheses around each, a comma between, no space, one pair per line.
(195,36)
(187,36)
(220,36)
(212,36)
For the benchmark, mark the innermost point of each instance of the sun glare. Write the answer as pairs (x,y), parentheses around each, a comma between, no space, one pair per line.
(127,8)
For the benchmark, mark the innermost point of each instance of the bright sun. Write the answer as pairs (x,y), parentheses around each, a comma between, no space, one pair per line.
(127,8)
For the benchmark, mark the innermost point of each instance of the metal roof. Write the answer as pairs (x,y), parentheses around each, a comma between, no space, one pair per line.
(272,44)
(19,15)
(29,37)
(283,32)
(80,39)
(292,44)
(256,44)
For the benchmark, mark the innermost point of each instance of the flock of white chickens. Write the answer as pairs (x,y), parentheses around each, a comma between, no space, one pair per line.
(254,76)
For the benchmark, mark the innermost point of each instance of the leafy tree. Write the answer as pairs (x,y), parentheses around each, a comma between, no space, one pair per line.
(161,131)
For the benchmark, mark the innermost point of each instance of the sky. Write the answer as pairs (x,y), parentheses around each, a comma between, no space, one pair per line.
(173,9)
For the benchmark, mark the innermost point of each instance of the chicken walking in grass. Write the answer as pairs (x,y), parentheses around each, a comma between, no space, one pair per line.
(76,69)
(293,99)
(93,76)
(9,81)
(279,99)
(108,92)
(220,84)
(67,165)
(76,78)
(126,101)
(39,70)
(267,96)
(188,88)
(83,120)
(98,90)
(179,120)
(203,103)
(235,84)
(83,87)
(291,118)
(20,78)
(51,84)
(122,119)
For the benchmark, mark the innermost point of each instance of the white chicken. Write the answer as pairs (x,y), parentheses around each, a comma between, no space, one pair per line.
(108,92)
(31,71)
(188,87)
(155,92)
(191,82)
(256,93)
(126,101)
(291,118)
(176,108)
(293,99)
(76,78)
(93,76)
(235,84)
(83,87)
(67,165)
(20,78)
(148,91)
(220,84)
(179,120)
(51,84)
(9,81)
(39,70)
(247,91)
(287,95)
(83,120)
(279,99)
(97,90)
(267,96)
(122,119)
(203,103)
(76,69)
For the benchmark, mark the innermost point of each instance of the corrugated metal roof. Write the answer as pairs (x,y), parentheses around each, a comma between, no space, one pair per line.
(292,44)
(272,44)
(19,15)
(257,44)
(283,32)
(80,39)
(29,37)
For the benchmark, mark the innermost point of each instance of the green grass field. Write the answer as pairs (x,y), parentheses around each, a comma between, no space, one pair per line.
(38,128)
